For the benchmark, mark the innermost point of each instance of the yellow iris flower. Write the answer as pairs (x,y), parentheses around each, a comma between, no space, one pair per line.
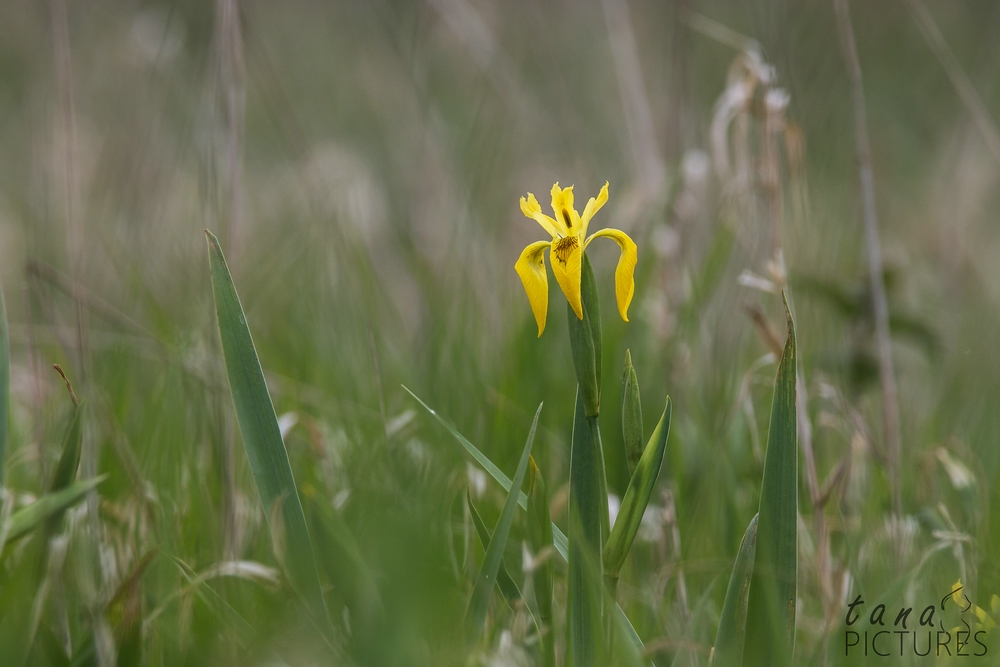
(569,241)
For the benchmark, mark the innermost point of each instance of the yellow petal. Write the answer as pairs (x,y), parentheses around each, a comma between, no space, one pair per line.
(531,268)
(531,209)
(956,589)
(593,206)
(624,274)
(562,206)
(567,260)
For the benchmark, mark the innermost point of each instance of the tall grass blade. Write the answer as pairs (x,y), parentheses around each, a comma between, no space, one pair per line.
(26,519)
(770,632)
(729,639)
(69,458)
(559,539)
(342,559)
(505,583)
(262,441)
(475,615)
(540,539)
(245,634)
(4,392)
(640,488)
(125,614)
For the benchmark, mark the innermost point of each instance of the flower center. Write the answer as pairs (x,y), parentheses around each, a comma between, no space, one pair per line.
(565,247)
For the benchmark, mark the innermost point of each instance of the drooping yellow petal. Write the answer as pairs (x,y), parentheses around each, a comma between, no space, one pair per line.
(625,273)
(562,206)
(531,269)
(593,206)
(567,261)
(532,209)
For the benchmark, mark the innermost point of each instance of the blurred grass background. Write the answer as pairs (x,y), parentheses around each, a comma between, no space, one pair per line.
(361,163)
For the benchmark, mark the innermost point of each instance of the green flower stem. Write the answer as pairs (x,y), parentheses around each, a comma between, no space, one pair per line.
(589,521)
(585,339)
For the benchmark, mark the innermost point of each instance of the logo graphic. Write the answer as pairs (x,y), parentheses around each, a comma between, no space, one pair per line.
(921,635)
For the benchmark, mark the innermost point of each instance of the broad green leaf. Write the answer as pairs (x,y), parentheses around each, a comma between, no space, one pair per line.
(26,519)
(631,415)
(585,538)
(770,632)
(4,391)
(729,639)
(69,459)
(475,615)
(640,488)
(505,583)
(540,539)
(262,441)
(559,539)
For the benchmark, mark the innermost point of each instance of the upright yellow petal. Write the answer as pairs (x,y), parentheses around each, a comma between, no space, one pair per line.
(567,262)
(956,588)
(531,209)
(562,206)
(593,206)
(624,274)
(531,268)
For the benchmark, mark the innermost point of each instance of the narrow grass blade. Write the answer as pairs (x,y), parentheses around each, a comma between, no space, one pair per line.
(342,559)
(729,639)
(559,539)
(540,539)
(69,458)
(124,613)
(262,441)
(505,583)
(634,648)
(640,488)
(770,632)
(475,615)
(4,391)
(225,612)
(26,519)
(631,415)
(585,576)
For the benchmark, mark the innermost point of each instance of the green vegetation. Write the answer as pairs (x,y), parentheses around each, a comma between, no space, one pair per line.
(347,463)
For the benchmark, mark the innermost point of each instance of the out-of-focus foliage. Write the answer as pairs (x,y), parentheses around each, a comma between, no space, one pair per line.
(361,163)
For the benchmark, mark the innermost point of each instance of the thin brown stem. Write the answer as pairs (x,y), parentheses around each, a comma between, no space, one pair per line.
(959,79)
(880,304)
(69,385)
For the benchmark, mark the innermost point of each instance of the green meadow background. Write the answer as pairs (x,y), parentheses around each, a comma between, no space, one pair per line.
(361,164)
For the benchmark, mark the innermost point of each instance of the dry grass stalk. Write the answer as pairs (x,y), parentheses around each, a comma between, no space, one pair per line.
(890,398)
